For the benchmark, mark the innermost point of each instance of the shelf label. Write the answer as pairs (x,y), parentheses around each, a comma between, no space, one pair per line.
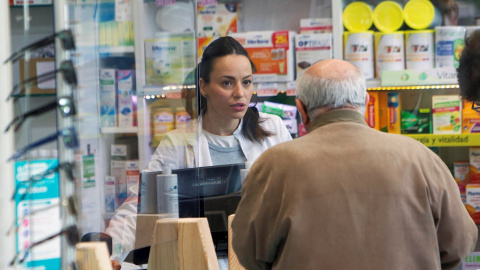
(207,2)
(162,3)
(446,75)
(173,95)
(291,89)
(267,89)
(447,140)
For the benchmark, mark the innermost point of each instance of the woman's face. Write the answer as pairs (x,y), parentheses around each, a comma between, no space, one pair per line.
(230,88)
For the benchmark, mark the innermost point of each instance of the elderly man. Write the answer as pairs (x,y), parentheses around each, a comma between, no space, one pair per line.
(346,196)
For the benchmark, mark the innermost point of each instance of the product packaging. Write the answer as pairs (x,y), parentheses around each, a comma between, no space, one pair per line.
(167,192)
(217,20)
(389,52)
(372,112)
(474,159)
(461,173)
(272,53)
(416,121)
(470,118)
(108,116)
(449,43)
(118,159)
(394,108)
(311,48)
(315,25)
(132,172)
(169,59)
(182,118)
(446,117)
(383,111)
(110,194)
(125,90)
(359,51)
(473,202)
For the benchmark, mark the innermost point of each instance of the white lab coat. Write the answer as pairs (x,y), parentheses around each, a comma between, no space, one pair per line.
(185,148)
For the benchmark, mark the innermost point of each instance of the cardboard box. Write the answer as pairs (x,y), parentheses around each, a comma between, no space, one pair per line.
(394,108)
(470,118)
(473,202)
(446,114)
(372,112)
(474,159)
(416,121)
(272,53)
(169,59)
(37,67)
(311,48)
(217,20)
(125,89)
(316,25)
(461,173)
(108,97)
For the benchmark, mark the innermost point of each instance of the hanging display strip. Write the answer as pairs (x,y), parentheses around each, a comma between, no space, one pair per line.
(447,75)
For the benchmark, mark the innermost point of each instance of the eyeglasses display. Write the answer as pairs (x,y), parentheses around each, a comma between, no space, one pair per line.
(71,233)
(65,36)
(66,68)
(69,138)
(65,104)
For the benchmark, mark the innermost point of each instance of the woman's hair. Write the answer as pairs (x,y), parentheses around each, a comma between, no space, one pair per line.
(316,92)
(468,72)
(221,47)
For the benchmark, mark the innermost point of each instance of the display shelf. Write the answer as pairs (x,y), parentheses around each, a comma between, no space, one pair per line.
(446,140)
(118,130)
(163,91)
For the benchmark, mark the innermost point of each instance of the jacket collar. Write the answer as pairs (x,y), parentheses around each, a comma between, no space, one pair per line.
(338,115)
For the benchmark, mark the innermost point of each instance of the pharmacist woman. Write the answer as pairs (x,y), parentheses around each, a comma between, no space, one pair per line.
(227,131)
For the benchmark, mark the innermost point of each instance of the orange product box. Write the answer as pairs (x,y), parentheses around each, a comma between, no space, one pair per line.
(372,112)
(474,160)
(470,118)
(473,202)
(383,111)
(272,53)
(394,107)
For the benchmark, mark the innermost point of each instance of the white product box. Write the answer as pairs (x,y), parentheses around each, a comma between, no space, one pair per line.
(272,53)
(110,194)
(108,115)
(169,59)
(133,176)
(118,169)
(217,20)
(446,114)
(32,2)
(315,25)
(311,48)
(125,85)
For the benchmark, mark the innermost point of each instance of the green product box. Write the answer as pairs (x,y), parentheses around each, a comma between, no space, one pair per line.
(416,121)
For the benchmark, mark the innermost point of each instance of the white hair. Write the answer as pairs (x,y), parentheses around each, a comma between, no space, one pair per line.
(316,92)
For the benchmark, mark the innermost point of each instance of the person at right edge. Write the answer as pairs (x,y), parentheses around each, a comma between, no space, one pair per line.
(346,196)
(468,72)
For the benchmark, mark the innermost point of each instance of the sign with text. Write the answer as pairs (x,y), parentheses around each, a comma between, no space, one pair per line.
(446,75)
(447,139)
(267,89)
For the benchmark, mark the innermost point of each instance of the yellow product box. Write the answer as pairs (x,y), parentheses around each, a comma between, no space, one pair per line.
(272,53)
(169,59)
(446,114)
(470,118)
(461,173)
(383,111)
(217,20)
(474,160)
(372,112)
(473,202)
(394,108)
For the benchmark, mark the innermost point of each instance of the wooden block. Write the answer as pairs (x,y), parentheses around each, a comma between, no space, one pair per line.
(92,256)
(233,263)
(182,244)
(145,229)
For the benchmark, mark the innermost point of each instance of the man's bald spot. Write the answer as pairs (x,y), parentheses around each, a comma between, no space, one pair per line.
(332,69)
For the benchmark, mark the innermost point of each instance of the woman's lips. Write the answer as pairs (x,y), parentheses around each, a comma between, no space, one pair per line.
(238,107)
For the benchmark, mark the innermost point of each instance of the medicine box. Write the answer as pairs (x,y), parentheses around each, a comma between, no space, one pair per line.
(474,159)
(315,25)
(473,202)
(446,114)
(372,112)
(125,89)
(416,121)
(108,84)
(394,108)
(470,118)
(272,53)
(311,48)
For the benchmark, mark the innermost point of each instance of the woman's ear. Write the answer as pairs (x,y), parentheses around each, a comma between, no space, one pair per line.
(202,84)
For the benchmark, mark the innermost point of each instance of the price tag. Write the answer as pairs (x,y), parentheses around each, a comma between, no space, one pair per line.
(267,89)
(207,2)
(162,3)
(291,89)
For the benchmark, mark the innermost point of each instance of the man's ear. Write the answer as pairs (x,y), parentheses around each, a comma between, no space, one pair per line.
(302,109)
(367,99)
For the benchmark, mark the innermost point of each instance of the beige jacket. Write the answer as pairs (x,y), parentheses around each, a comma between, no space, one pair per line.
(346,196)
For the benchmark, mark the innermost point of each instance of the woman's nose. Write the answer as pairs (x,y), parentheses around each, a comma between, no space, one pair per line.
(238,91)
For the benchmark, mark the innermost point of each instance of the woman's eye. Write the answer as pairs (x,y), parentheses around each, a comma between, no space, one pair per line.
(227,83)
(247,82)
